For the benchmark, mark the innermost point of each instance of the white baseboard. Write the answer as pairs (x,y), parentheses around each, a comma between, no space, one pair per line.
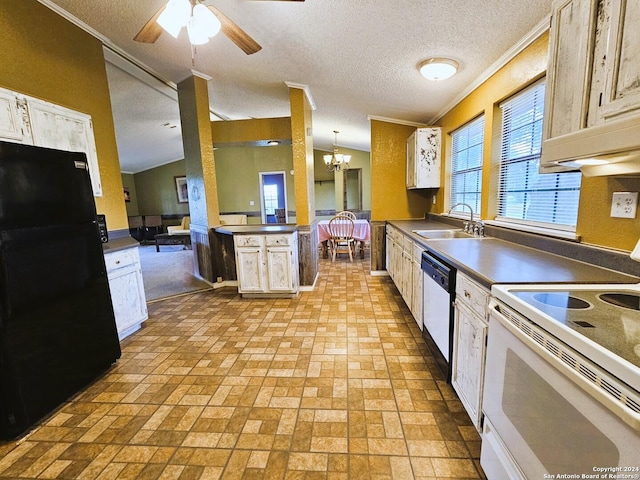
(379,273)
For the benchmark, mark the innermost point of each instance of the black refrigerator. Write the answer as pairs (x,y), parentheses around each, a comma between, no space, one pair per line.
(57,328)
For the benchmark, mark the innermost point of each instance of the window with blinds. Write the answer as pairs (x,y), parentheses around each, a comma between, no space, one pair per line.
(524,195)
(466,166)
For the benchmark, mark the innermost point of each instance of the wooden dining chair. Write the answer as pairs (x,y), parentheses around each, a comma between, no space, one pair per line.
(341,241)
(349,214)
(281,216)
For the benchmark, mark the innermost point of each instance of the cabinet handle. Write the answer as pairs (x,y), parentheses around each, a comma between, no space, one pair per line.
(117,262)
(467,294)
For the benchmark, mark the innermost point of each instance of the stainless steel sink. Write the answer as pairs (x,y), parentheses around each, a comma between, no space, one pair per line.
(443,234)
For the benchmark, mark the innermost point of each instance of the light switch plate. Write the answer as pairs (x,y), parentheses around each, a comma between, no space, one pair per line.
(624,204)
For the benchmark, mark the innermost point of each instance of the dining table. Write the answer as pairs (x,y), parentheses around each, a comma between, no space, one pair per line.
(361,234)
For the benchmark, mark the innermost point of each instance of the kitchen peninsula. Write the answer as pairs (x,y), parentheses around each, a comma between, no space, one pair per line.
(266,259)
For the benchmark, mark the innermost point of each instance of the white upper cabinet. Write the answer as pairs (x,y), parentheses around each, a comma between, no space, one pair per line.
(14,121)
(622,87)
(28,120)
(592,99)
(64,129)
(423,158)
(568,69)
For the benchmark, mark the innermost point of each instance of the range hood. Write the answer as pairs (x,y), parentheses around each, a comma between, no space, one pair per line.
(608,149)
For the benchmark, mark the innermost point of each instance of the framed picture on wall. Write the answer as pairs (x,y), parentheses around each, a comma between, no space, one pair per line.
(181,189)
(127,194)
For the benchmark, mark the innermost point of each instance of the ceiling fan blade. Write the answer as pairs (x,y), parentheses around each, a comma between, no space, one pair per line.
(151,30)
(235,33)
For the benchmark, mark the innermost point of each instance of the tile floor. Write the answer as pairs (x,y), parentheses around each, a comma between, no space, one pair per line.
(336,384)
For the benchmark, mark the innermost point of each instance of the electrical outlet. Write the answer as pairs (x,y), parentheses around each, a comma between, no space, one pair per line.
(251,203)
(624,204)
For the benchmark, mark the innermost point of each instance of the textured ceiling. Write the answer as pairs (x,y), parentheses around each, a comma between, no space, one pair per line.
(358,58)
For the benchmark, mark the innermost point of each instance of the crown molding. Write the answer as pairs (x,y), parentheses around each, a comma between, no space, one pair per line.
(306,90)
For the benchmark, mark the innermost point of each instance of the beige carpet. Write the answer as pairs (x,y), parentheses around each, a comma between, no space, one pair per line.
(168,272)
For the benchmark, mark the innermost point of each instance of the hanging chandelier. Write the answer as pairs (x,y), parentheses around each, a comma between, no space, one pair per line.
(201,23)
(336,161)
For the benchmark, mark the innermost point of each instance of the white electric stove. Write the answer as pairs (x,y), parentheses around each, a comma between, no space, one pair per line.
(562,381)
(600,321)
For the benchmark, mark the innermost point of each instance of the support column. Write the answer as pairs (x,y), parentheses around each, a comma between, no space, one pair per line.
(302,106)
(193,99)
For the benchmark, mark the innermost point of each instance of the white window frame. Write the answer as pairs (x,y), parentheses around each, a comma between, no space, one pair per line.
(524,150)
(460,147)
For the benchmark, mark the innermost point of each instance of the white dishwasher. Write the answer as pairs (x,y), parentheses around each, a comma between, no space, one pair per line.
(438,293)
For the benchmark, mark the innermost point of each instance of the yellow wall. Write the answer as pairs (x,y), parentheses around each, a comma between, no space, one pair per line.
(519,72)
(594,223)
(302,145)
(390,198)
(251,130)
(46,57)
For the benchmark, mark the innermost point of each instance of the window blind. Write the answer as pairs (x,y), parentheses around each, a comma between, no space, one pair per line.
(466,166)
(524,195)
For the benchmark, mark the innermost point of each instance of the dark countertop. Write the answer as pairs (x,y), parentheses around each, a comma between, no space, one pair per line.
(491,260)
(256,229)
(119,243)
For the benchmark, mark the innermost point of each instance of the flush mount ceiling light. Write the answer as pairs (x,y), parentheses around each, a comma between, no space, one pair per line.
(438,68)
(337,161)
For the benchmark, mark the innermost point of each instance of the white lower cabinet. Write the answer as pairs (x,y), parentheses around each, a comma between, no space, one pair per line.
(127,290)
(469,347)
(267,264)
(404,258)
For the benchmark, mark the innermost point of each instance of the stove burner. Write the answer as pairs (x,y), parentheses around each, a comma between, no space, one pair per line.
(625,300)
(561,300)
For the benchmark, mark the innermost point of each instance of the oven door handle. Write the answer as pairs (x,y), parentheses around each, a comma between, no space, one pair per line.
(593,380)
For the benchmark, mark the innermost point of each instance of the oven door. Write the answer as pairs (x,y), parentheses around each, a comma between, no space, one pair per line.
(539,417)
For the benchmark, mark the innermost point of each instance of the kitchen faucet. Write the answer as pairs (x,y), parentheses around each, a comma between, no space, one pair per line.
(476,228)
(464,205)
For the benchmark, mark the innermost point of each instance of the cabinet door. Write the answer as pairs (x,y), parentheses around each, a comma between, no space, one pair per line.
(250,265)
(411,160)
(468,360)
(407,277)
(127,296)
(64,129)
(416,299)
(423,158)
(280,276)
(428,158)
(622,89)
(127,288)
(570,50)
(10,117)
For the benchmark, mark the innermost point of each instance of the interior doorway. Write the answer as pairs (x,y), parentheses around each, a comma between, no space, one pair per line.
(352,188)
(273,195)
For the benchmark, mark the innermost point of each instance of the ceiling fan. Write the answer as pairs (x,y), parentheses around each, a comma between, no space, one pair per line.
(202,22)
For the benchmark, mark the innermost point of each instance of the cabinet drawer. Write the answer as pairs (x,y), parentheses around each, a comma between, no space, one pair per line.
(417,252)
(407,244)
(279,240)
(248,240)
(121,259)
(472,294)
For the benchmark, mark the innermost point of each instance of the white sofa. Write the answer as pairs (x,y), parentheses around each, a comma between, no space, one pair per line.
(182,229)
(233,219)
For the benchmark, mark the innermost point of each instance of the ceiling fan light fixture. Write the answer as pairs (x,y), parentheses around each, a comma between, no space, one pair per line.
(437,69)
(197,32)
(175,16)
(206,20)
